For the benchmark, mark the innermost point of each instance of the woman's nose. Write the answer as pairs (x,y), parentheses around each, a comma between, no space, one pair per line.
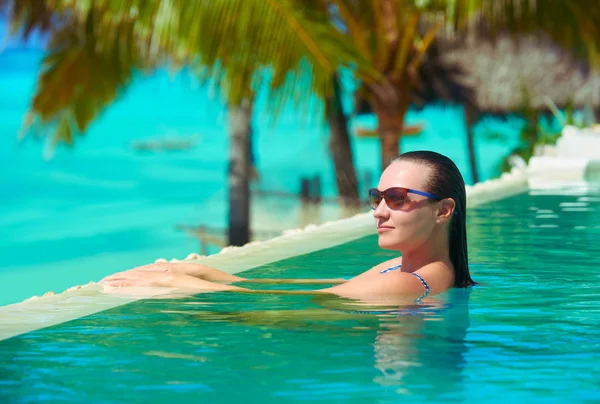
(382,210)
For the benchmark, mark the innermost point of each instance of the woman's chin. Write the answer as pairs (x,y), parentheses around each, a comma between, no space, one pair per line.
(387,242)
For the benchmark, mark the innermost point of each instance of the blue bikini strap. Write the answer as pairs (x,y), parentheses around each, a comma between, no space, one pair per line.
(391,268)
(427,288)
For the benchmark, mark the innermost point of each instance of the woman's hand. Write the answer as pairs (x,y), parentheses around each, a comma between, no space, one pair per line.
(195,270)
(164,279)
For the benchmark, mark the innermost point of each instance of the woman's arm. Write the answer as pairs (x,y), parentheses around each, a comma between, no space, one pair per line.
(300,281)
(185,282)
(380,286)
(214,275)
(368,286)
(373,284)
(386,290)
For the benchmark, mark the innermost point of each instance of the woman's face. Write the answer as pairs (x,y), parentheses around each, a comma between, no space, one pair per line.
(411,225)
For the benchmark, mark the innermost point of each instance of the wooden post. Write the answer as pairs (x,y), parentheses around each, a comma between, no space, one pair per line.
(304,190)
(316,189)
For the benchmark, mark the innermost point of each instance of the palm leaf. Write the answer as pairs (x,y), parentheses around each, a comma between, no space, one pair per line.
(27,16)
(81,75)
(291,47)
(238,45)
(249,43)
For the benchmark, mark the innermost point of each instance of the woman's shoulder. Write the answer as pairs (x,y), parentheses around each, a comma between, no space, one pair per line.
(438,275)
(394,262)
(378,268)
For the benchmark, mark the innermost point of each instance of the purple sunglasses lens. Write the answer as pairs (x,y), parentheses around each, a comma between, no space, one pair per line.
(394,197)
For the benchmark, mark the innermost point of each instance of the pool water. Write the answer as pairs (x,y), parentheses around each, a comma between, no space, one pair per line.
(529,332)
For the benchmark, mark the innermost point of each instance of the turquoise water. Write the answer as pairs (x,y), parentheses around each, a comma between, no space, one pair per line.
(528,333)
(103,207)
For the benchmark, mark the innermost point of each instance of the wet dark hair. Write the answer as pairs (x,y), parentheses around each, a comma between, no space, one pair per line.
(446,181)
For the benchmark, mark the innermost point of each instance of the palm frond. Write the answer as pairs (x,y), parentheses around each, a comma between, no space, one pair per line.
(27,16)
(238,45)
(290,47)
(254,42)
(83,72)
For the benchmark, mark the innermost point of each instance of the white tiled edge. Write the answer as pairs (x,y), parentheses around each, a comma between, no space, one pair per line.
(79,301)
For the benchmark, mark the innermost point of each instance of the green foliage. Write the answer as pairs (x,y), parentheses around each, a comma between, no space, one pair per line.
(532,135)
(97,47)
(79,77)
(495,136)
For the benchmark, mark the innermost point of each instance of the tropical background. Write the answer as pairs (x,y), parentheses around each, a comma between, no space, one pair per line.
(133,130)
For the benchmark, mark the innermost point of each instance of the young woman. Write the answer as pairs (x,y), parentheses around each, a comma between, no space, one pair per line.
(419,208)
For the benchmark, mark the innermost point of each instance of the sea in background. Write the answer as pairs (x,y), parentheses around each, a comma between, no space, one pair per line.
(102,206)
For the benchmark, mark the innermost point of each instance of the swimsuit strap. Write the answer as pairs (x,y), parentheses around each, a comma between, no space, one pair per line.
(427,288)
(391,268)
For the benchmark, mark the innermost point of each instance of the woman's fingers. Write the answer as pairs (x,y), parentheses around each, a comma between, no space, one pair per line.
(122,282)
(152,268)
(117,276)
(115,282)
(140,278)
(133,273)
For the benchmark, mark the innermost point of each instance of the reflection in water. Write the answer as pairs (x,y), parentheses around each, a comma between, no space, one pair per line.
(405,346)
(408,338)
(199,342)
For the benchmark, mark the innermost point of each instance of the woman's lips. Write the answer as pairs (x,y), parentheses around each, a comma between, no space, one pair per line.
(383,229)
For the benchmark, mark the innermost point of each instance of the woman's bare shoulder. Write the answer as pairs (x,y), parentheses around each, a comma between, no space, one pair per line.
(386,264)
(438,275)
(378,268)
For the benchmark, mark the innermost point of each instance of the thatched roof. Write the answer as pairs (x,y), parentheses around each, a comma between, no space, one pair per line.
(505,74)
(500,76)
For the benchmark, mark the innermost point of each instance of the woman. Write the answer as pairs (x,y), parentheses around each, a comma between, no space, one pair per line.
(419,208)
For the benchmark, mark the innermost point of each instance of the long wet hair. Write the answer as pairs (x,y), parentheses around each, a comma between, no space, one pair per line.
(446,181)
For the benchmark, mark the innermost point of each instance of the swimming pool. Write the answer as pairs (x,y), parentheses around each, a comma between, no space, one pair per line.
(529,332)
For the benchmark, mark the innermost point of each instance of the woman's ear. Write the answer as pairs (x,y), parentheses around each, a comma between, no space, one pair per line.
(446,209)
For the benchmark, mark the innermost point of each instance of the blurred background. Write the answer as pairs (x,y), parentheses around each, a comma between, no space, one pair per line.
(133,130)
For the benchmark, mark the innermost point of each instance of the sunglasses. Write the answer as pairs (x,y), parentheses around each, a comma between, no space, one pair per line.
(394,197)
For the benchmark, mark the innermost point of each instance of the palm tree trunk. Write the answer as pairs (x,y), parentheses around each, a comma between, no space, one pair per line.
(239,172)
(470,115)
(390,127)
(341,150)
(390,145)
